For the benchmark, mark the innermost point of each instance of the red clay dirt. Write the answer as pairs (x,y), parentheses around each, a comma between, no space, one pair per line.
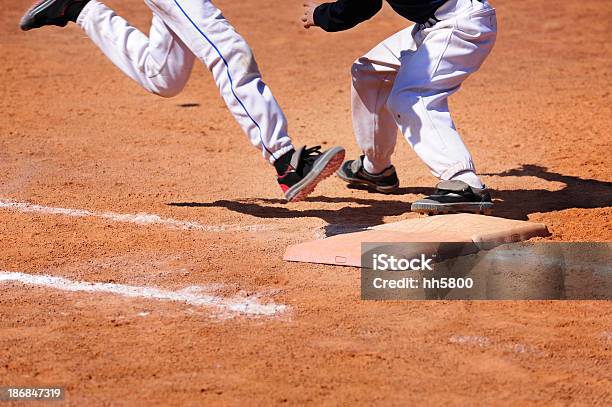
(75,133)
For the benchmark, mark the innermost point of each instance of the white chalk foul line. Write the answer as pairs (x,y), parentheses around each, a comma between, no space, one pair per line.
(250,306)
(138,219)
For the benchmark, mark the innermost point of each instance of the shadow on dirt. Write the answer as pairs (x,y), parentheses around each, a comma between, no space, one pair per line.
(370,212)
(513,204)
(578,193)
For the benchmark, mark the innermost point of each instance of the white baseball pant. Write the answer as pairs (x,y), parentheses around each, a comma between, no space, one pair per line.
(182,30)
(406,80)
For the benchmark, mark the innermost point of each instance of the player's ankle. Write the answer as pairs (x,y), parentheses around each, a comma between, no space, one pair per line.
(283,162)
(370,168)
(470,178)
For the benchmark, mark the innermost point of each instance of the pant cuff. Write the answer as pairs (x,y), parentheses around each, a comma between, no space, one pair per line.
(85,12)
(456,169)
(280,152)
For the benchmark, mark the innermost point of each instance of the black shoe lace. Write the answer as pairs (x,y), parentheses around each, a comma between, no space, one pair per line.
(309,156)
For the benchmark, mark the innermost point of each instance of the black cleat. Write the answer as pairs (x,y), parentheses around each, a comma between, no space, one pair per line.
(52,12)
(455,197)
(308,167)
(352,171)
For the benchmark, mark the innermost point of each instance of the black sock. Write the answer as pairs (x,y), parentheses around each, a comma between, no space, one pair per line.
(74,9)
(282,163)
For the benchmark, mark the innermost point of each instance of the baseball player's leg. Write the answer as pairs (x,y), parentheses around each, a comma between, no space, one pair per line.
(372,78)
(161,62)
(213,40)
(181,31)
(447,54)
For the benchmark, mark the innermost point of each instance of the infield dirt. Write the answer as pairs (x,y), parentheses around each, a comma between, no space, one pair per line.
(76,133)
